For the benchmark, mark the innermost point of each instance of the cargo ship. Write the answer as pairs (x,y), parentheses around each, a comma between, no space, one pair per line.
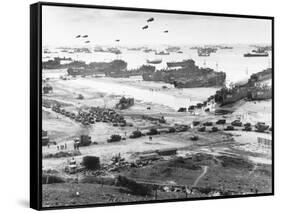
(187,76)
(131,72)
(256,54)
(182,63)
(209,80)
(115,66)
(173,49)
(251,90)
(231,95)
(56,63)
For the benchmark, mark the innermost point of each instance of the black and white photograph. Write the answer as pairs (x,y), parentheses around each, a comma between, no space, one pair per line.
(152,106)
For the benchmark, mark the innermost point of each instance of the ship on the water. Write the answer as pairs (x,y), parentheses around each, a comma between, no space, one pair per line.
(225,47)
(206,51)
(148,50)
(114,69)
(173,49)
(215,79)
(187,76)
(259,52)
(256,54)
(162,53)
(203,52)
(252,90)
(82,50)
(99,49)
(56,63)
(132,72)
(182,63)
(115,66)
(114,50)
(155,61)
(107,50)
(134,49)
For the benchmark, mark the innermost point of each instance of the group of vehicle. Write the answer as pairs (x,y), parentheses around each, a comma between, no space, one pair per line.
(95,114)
(259,127)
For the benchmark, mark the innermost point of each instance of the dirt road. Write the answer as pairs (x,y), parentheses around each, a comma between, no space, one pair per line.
(205,169)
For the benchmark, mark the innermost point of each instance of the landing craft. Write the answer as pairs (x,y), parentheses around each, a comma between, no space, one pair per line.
(166,31)
(145,27)
(150,20)
(78,36)
(85,36)
(87,41)
(117,40)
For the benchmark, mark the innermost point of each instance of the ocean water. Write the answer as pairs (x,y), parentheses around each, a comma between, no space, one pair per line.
(231,61)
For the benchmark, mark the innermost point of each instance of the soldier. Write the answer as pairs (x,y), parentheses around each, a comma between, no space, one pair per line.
(73,161)
(77,146)
(74,146)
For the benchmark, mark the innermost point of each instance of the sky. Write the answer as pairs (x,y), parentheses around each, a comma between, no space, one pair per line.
(62,24)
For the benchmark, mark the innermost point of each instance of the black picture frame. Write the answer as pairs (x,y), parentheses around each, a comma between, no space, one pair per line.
(36,100)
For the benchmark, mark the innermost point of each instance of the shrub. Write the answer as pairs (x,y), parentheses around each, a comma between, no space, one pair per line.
(133,186)
(62,154)
(98,180)
(49,179)
(91,162)
(233,162)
